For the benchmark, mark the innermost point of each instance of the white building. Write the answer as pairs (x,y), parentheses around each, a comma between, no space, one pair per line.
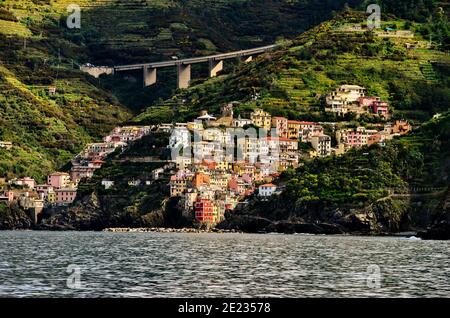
(108,184)
(240,122)
(267,190)
(322,144)
(345,99)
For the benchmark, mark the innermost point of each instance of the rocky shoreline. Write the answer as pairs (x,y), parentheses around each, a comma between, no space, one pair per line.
(168,230)
(222,231)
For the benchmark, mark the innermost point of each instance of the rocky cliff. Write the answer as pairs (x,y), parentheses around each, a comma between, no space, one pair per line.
(440,229)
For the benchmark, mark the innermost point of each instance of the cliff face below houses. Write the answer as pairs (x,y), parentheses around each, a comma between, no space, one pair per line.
(96,212)
(440,229)
(389,218)
(12,217)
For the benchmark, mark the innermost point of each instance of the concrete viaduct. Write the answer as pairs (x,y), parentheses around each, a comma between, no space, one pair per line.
(183,66)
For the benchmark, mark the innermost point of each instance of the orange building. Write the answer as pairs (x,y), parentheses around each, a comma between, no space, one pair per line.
(401,127)
(201,179)
(281,126)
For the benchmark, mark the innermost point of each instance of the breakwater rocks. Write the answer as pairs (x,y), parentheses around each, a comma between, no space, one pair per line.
(166,230)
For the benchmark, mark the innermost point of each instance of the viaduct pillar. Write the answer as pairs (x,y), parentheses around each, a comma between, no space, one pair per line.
(184,75)
(215,67)
(149,76)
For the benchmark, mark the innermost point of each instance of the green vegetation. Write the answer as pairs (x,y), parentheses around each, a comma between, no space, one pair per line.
(48,130)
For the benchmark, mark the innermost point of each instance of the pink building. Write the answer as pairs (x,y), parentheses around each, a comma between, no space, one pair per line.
(58,180)
(380,109)
(354,139)
(375,105)
(26,182)
(367,101)
(79,172)
(65,196)
(8,196)
(237,185)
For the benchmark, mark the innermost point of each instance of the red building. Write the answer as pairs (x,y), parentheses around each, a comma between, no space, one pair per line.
(204,211)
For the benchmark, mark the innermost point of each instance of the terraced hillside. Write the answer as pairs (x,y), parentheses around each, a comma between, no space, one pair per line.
(293,80)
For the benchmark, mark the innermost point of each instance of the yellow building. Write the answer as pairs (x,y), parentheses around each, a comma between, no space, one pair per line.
(261,119)
(51,197)
(223,165)
(294,128)
(196,125)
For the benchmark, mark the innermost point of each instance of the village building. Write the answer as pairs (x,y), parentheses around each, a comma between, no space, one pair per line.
(294,128)
(204,211)
(107,184)
(281,126)
(187,202)
(179,182)
(345,99)
(7,197)
(241,123)
(157,173)
(25,182)
(195,125)
(267,190)
(165,128)
(322,145)
(355,138)
(82,171)
(308,130)
(261,119)
(46,192)
(65,196)
(134,183)
(6,145)
(375,105)
(206,118)
(59,180)
(401,127)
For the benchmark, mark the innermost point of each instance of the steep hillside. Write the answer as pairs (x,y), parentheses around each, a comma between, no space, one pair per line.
(293,80)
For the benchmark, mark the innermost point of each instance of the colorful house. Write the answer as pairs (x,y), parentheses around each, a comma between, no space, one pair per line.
(204,210)
(58,180)
(261,119)
(65,195)
(281,126)
(26,182)
(267,190)
(322,144)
